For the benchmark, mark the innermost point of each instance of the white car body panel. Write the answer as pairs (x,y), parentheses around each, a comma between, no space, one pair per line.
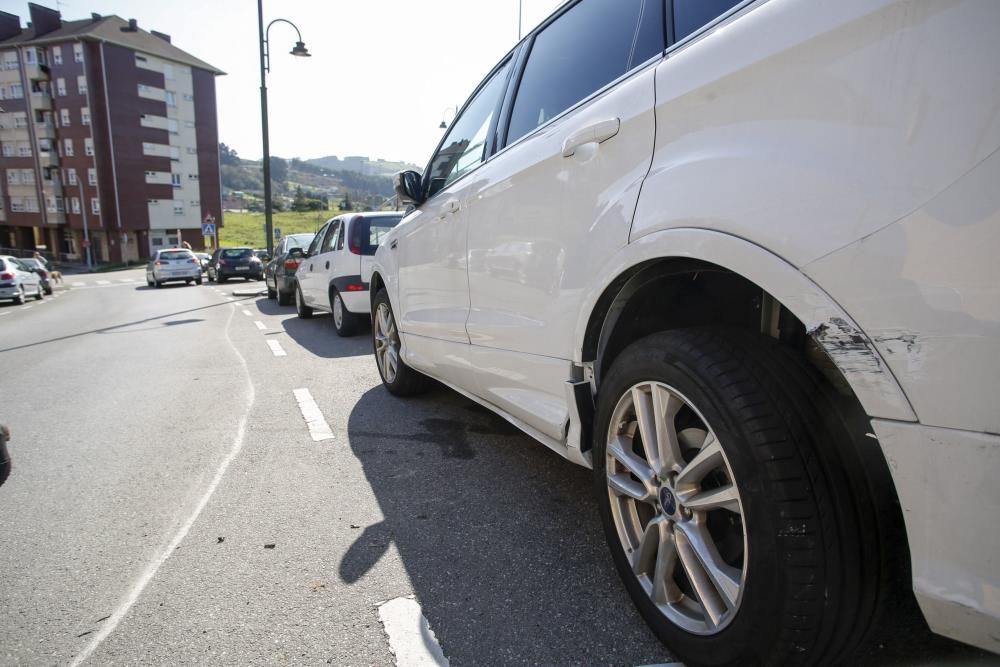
(841,156)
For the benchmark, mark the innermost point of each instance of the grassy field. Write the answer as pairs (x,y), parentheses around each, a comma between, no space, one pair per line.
(247,229)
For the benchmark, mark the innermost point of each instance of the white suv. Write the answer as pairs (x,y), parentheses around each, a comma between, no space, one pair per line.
(740,259)
(335,270)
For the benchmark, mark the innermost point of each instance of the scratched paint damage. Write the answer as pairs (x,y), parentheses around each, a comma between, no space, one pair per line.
(847,346)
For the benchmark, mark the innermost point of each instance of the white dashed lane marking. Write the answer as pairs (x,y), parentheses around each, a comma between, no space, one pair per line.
(410,636)
(103,282)
(318,428)
(259,325)
(78,284)
(276,348)
(247,313)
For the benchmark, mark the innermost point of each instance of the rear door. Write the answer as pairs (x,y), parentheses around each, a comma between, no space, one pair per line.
(303,275)
(317,292)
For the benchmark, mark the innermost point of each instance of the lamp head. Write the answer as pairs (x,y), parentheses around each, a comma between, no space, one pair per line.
(443,125)
(300,50)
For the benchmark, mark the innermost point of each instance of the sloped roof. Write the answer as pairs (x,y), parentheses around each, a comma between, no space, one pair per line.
(109,29)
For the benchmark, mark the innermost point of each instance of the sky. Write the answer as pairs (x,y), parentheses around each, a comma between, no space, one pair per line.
(383,75)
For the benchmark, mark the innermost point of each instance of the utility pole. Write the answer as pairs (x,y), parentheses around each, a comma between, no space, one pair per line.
(86,230)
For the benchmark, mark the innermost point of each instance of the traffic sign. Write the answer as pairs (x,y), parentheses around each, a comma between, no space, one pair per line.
(208,229)
(277,233)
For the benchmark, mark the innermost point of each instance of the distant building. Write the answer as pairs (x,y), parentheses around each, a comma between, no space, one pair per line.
(107,132)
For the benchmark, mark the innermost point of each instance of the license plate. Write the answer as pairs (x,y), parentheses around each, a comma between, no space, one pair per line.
(242,268)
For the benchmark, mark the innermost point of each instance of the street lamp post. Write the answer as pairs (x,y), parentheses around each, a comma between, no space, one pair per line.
(265,66)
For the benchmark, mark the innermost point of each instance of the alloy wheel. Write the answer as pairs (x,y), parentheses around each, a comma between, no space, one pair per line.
(338,311)
(386,342)
(676,508)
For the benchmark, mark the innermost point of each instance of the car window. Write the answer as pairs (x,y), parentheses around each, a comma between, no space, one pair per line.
(175,254)
(464,146)
(21,265)
(368,233)
(583,50)
(237,253)
(651,38)
(314,246)
(298,241)
(689,15)
(3,267)
(331,237)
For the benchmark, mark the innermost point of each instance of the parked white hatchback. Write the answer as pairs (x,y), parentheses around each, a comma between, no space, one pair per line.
(740,259)
(335,270)
(173,265)
(18,280)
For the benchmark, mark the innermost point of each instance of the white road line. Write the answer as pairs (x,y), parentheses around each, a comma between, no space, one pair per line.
(151,569)
(78,284)
(247,313)
(276,348)
(229,298)
(25,307)
(125,280)
(318,428)
(410,636)
(259,325)
(103,282)
(2,314)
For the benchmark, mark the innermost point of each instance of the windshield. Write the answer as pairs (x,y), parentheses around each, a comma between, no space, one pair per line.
(237,253)
(176,254)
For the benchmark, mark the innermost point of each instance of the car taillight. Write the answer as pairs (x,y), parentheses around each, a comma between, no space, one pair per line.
(159,263)
(43,274)
(192,261)
(292,264)
(355,288)
(354,243)
(6,276)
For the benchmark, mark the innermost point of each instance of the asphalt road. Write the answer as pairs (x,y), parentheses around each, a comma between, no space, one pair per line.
(168,504)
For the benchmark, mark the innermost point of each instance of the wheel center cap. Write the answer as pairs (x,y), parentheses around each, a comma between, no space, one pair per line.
(667,501)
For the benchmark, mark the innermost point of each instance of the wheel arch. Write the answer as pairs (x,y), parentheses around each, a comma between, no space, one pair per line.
(675,270)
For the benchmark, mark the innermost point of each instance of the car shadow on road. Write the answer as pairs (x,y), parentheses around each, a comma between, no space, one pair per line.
(317,334)
(500,536)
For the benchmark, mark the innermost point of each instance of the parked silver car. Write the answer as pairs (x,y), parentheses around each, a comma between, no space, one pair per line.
(175,264)
(18,280)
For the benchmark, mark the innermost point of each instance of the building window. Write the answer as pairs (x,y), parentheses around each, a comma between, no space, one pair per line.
(61,87)
(178,209)
(28,176)
(92,176)
(81,84)
(75,204)
(175,180)
(16,204)
(171,98)
(13,177)
(71,176)
(192,151)
(85,116)
(31,204)
(60,205)
(57,55)
(20,119)
(44,145)
(50,204)
(188,97)
(95,206)
(78,53)
(64,117)
(68,147)
(7,148)
(88,146)
(195,204)
(10,60)
(192,177)
(30,56)
(23,149)
(16,91)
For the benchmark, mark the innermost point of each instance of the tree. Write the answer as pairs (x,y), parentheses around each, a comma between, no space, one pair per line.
(299,204)
(345,204)
(279,170)
(228,156)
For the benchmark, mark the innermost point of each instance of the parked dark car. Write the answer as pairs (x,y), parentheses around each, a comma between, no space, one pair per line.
(43,273)
(279,273)
(229,263)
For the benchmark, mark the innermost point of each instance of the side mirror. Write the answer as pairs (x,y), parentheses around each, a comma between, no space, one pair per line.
(408,188)
(296,252)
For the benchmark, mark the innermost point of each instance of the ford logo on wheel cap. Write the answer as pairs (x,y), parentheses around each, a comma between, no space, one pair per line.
(667,501)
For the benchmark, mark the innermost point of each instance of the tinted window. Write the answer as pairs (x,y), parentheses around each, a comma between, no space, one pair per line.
(689,15)
(367,233)
(3,267)
(582,51)
(176,254)
(237,253)
(465,144)
(651,39)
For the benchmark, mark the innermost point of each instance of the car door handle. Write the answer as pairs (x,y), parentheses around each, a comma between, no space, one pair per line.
(595,133)
(452,206)
(392,244)
(328,265)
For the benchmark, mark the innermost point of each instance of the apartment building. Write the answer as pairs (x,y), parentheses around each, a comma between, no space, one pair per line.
(108,138)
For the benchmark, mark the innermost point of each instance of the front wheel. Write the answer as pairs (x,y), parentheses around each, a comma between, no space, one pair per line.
(398,378)
(345,323)
(271,292)
(725,491)
(20,298)
(40,294)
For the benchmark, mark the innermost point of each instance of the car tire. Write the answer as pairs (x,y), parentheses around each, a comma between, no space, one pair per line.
(398,378)
(157,284)
(21,297)
(345,323)
(198,280)
(211,278)
(48,290)
(301,309)
(801,551)
(221,278)
(40,294)
(284,298)
(271,292)
(149,283)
